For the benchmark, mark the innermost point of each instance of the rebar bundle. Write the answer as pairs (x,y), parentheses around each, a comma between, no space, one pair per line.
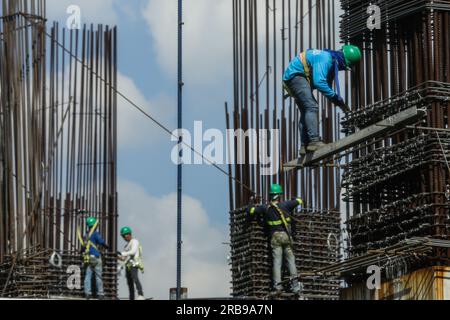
(58,141)
(395,163)
(421,96)
(354,21)
(35,277)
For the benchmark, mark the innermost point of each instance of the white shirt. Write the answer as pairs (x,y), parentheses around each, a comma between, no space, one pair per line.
(132,250)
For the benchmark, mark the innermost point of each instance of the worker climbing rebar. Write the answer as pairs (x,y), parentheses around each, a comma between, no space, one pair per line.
(278,217)
(317,69)
(132,261)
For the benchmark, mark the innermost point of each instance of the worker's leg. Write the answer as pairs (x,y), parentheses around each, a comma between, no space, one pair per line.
(309,108)
(290,261)
(277,254)
(87,281)
(135,276)
(98,278)
(130,283)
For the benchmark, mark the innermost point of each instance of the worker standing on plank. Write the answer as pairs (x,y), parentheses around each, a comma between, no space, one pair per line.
(317,69)
(132,256)
(277,215)
(92,258)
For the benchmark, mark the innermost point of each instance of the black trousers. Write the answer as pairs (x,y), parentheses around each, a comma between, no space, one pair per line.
(132,280)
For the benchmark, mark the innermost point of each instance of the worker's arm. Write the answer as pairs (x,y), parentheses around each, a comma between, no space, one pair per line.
(292,205)
(254,211)
(134,248)
(322,64)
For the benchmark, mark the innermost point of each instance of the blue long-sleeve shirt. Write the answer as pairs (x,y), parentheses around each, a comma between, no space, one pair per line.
(321,65)
(97,240)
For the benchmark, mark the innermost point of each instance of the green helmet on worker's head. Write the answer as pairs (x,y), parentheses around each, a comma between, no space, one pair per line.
(352,55)
(125,231)
(91,222)
(276,190)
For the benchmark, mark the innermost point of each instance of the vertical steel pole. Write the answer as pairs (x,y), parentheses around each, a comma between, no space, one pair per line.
(180,125)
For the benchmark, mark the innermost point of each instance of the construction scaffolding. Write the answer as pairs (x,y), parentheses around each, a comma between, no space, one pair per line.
(58,149)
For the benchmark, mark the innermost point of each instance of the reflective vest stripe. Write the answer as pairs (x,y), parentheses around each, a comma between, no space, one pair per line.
(278,222)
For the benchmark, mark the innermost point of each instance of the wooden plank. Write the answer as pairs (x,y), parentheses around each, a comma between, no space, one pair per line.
(390,124)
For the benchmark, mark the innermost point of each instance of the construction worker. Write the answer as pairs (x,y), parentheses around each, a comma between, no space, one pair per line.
(132,258)
(316,69)
(277,216)
(92,258)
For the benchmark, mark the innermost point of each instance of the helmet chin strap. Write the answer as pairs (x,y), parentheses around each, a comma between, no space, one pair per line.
(275,197)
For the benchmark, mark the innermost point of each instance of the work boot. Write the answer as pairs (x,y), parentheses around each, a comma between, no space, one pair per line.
(278,289)
(303,151)
(314,146)
(297,287)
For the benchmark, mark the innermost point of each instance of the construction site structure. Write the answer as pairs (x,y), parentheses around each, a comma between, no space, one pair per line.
(58,151)
(284,28)
(387,178)
(397,186)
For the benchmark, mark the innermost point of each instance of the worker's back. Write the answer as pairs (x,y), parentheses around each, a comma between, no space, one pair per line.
(272,214)
(96,240)
(320,65)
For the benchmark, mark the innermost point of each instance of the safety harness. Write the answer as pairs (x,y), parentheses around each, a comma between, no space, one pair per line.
(88,244)
(131,262)
(283,220)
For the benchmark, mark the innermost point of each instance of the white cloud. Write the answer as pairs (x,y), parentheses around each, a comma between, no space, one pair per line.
(136,130)
(205,270)
(207,39)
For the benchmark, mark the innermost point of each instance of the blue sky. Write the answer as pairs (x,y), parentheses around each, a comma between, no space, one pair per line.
(147,176)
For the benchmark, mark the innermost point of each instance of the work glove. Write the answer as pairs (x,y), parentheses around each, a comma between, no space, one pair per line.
(339,102)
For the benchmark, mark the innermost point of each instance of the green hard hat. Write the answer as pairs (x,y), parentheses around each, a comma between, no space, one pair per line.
(125,230)
(276,189)
(352,54)
(91,222)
